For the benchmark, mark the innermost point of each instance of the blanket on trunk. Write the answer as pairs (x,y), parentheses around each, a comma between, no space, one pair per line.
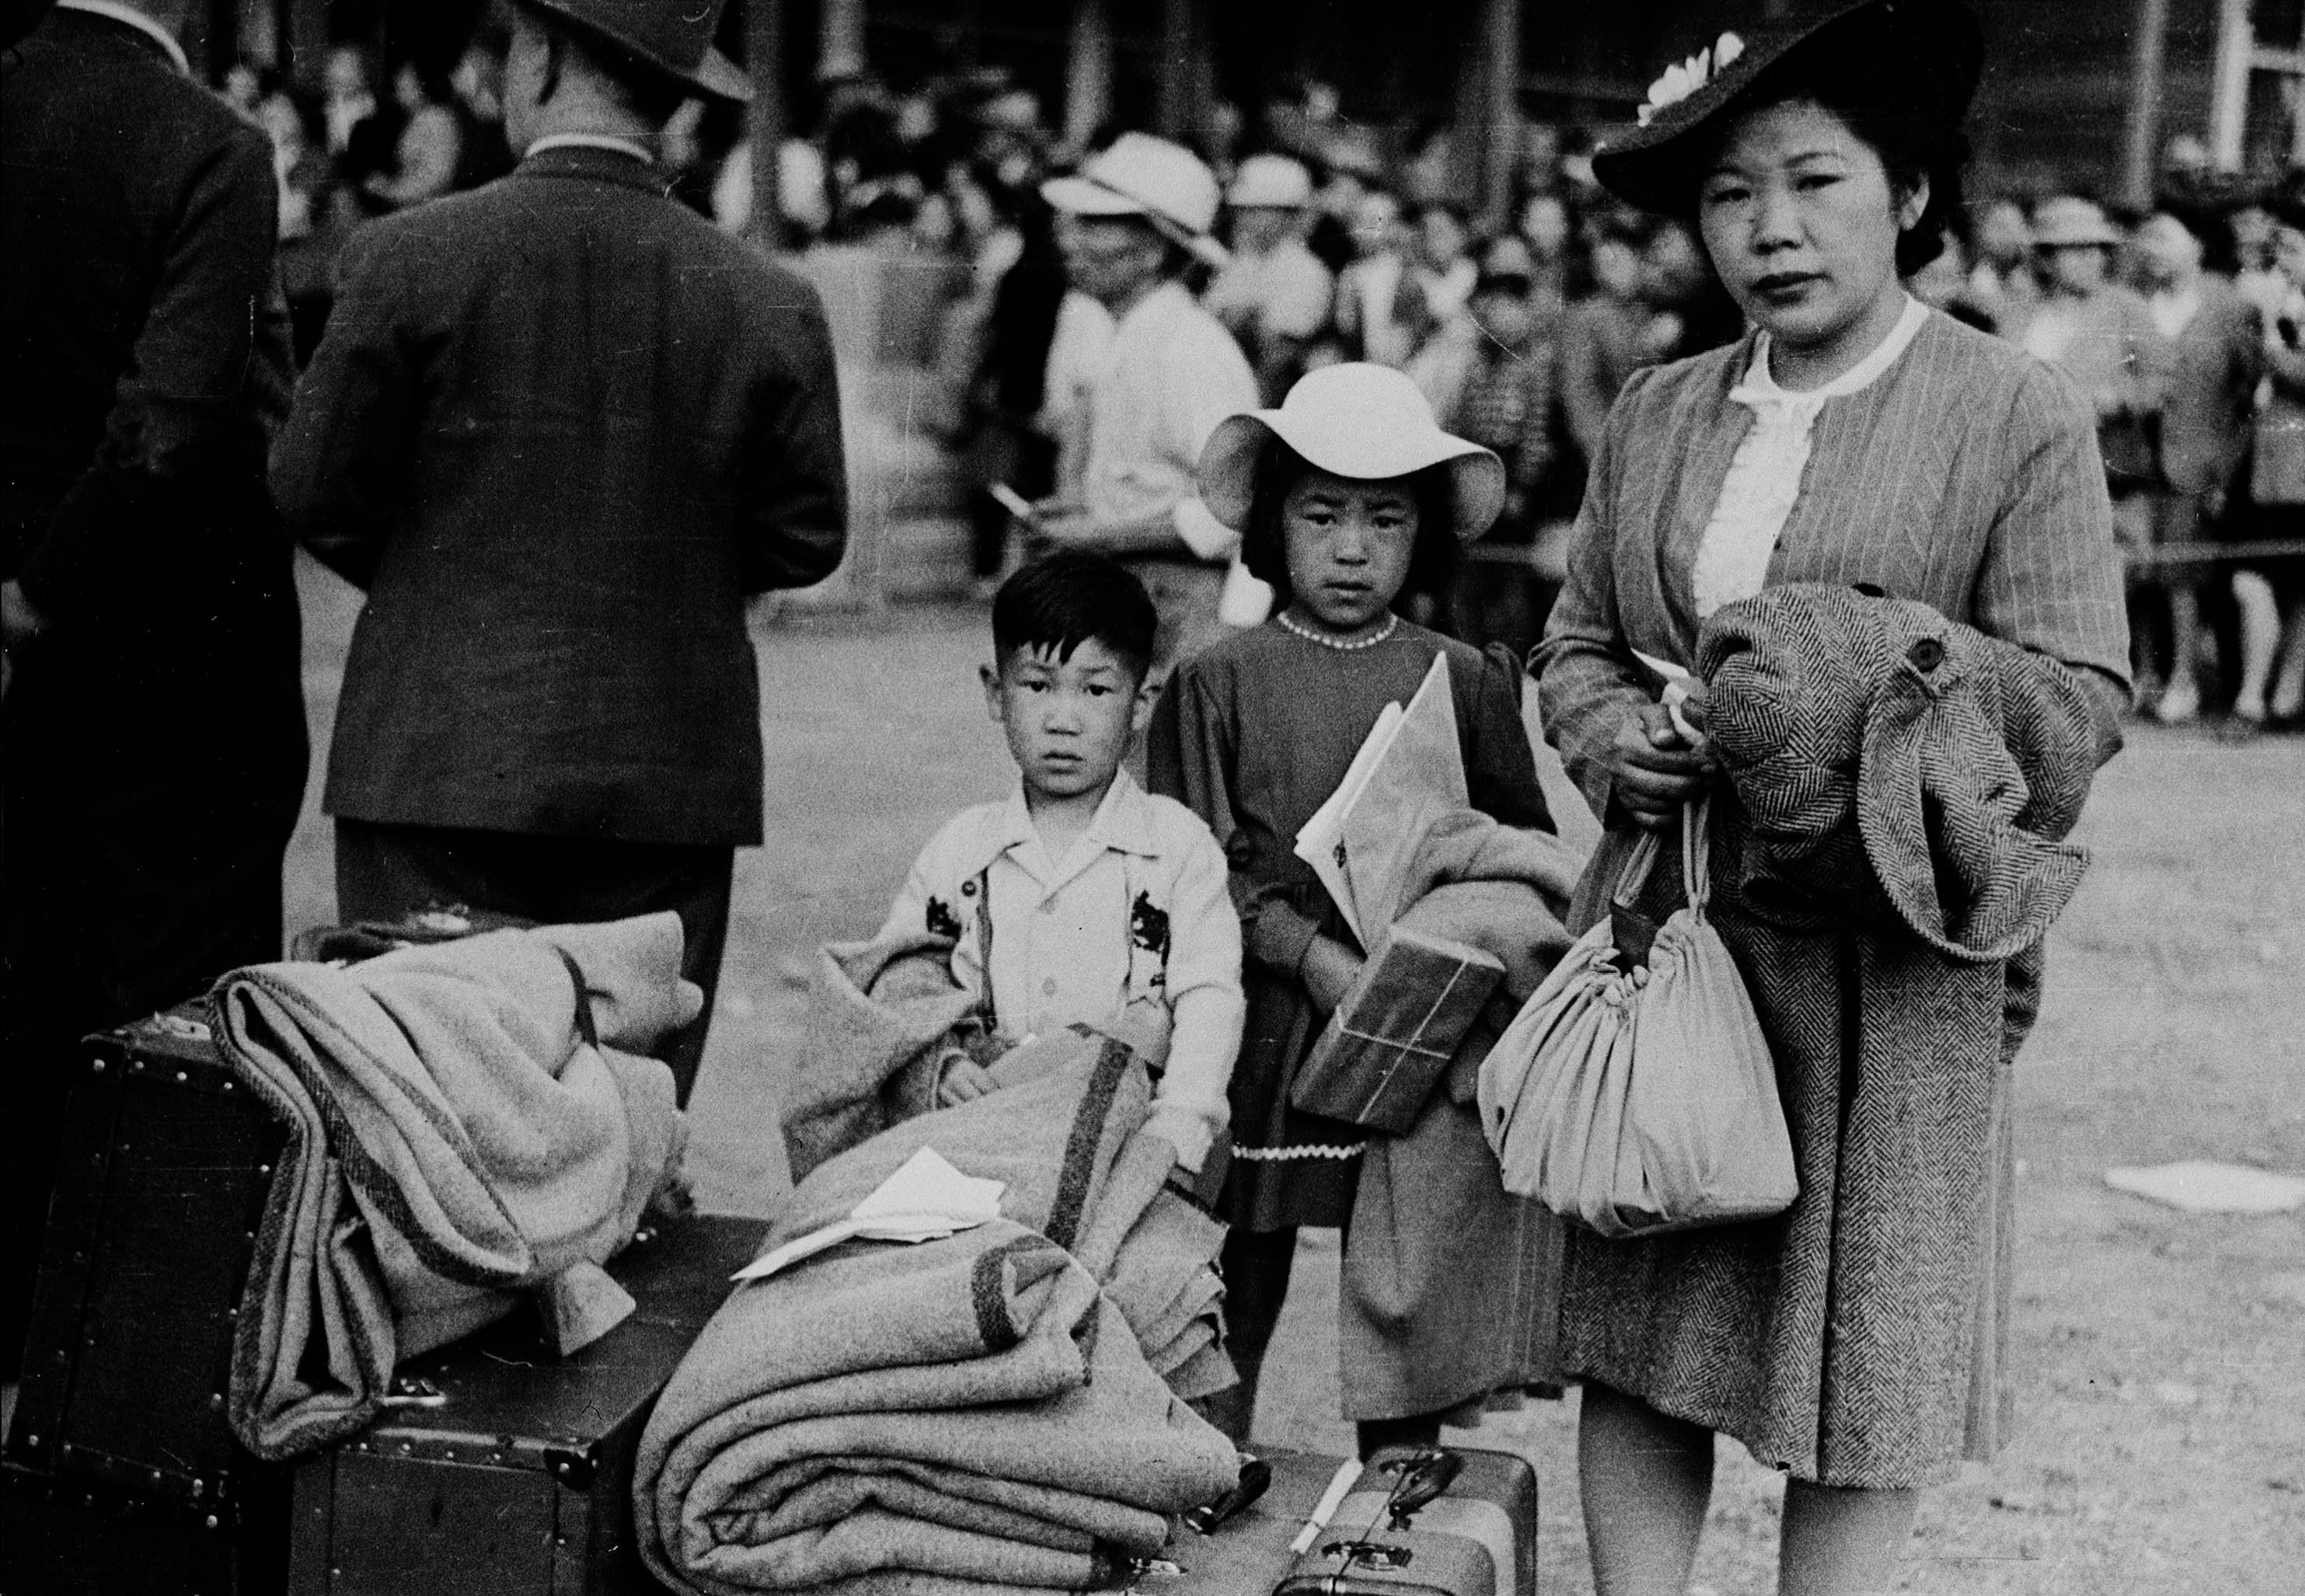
(466,1121)
(1450,1284)
(984,1411)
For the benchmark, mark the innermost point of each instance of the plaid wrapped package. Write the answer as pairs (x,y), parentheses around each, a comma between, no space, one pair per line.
(1391,1039)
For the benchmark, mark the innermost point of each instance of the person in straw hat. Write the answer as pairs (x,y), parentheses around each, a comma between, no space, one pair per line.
(1274,294)
(1851,438)
(1136,218)
(1344,496)
(558,429)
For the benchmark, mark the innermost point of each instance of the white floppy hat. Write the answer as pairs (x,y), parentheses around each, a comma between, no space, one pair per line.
(1272,182)
(1141,176)
(1353,420)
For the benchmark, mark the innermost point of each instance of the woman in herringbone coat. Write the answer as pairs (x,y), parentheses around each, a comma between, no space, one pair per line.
(1851,438)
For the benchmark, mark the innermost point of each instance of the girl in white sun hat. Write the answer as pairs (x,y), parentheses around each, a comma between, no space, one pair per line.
(1342,495)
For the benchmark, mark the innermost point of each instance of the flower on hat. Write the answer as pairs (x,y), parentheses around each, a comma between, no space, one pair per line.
(1681,82)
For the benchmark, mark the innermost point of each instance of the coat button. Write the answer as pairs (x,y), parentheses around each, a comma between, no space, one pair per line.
(1926,654)
(1049,987)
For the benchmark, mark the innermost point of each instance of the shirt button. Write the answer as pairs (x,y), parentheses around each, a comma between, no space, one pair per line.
(1049,987)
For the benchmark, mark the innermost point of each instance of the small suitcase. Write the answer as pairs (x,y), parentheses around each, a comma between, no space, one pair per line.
(1248,1554)
(161,1182)
(504,1472)
(1442,1521)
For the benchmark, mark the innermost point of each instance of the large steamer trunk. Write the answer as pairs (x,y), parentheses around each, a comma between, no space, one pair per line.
(509,1472)
(122,1472)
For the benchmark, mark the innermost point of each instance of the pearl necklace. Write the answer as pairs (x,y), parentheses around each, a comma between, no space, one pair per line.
(1353,646)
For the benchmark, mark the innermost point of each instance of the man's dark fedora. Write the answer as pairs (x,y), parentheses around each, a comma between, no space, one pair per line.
(1925,53)
(674,36)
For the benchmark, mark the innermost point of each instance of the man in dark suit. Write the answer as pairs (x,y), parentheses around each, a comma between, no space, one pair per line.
(152,729)
(559,429)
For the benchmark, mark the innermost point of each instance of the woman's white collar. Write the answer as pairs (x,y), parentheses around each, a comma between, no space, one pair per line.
(1760,386)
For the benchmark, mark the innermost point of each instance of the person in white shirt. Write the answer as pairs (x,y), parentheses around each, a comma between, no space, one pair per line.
(1275,294)
(1135,217)
(1380,305)
(1081,898)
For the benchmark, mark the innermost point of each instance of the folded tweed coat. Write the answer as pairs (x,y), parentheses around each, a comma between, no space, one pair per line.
(454,1137)
(984,1411)
(1448,1286)
(1888,854)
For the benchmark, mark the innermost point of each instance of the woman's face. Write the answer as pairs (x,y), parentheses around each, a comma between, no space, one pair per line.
(1442,237)
(1617,268)
(2076,268)
(1802,222)
(1544,222)
(1349,542)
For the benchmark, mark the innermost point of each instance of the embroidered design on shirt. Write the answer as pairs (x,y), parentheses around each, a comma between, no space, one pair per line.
(1148,928)
(942,921)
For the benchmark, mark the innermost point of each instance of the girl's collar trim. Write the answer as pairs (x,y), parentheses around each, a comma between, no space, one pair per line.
(1354,646)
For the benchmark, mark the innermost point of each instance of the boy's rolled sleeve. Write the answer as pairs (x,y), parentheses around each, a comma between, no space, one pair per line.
(1207,1007)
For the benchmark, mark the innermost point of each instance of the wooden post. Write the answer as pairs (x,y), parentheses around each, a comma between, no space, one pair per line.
(307,31)
(765,119)
(2229,101)
(2146,47)
(1181,107)
(840,40)
(1088,71)
(1502,141)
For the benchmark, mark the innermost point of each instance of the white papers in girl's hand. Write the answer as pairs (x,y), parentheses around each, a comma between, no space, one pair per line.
(1409,768)
(925,1200)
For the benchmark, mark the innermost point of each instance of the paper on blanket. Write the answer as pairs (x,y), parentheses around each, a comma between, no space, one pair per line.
(925,1200)
(1408,770)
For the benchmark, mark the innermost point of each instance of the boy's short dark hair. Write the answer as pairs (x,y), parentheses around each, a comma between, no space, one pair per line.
(1061,600)
(1264,544)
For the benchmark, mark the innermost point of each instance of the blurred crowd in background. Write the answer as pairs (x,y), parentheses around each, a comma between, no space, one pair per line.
(2181,325)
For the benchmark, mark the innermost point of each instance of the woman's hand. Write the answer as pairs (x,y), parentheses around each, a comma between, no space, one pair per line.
(1328,970)
(1656,768)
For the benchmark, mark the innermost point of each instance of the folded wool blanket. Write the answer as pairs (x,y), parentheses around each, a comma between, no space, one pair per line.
(976,1412)
(464,1123)
(1449,1288)
(880,1016)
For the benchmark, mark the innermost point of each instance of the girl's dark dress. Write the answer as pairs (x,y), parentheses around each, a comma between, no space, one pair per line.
(1253,734)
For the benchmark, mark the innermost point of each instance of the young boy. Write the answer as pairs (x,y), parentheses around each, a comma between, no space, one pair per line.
(1080,897)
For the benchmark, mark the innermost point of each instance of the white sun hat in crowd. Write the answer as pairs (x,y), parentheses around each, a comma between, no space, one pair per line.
(1141,176)
(1353,420)
(1272,182)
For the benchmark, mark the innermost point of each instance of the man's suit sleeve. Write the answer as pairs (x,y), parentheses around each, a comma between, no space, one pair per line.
(793,497)
(345,463)
(179,405)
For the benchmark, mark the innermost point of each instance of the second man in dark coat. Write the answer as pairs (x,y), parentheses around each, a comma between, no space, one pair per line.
(559,430)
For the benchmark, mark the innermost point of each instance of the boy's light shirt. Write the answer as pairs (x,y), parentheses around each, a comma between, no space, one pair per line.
(1073,940)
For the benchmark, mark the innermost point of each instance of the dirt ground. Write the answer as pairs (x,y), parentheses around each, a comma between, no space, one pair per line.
(2160,1448)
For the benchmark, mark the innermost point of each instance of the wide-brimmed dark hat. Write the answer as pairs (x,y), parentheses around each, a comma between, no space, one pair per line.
(673,36)
(1925,54)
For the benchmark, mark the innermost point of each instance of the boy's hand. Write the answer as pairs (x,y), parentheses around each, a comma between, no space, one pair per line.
(964,1081)
(1328,970)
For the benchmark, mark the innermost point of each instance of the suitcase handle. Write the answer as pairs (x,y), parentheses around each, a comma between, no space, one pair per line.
(1424,1479)
(1255,1479)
